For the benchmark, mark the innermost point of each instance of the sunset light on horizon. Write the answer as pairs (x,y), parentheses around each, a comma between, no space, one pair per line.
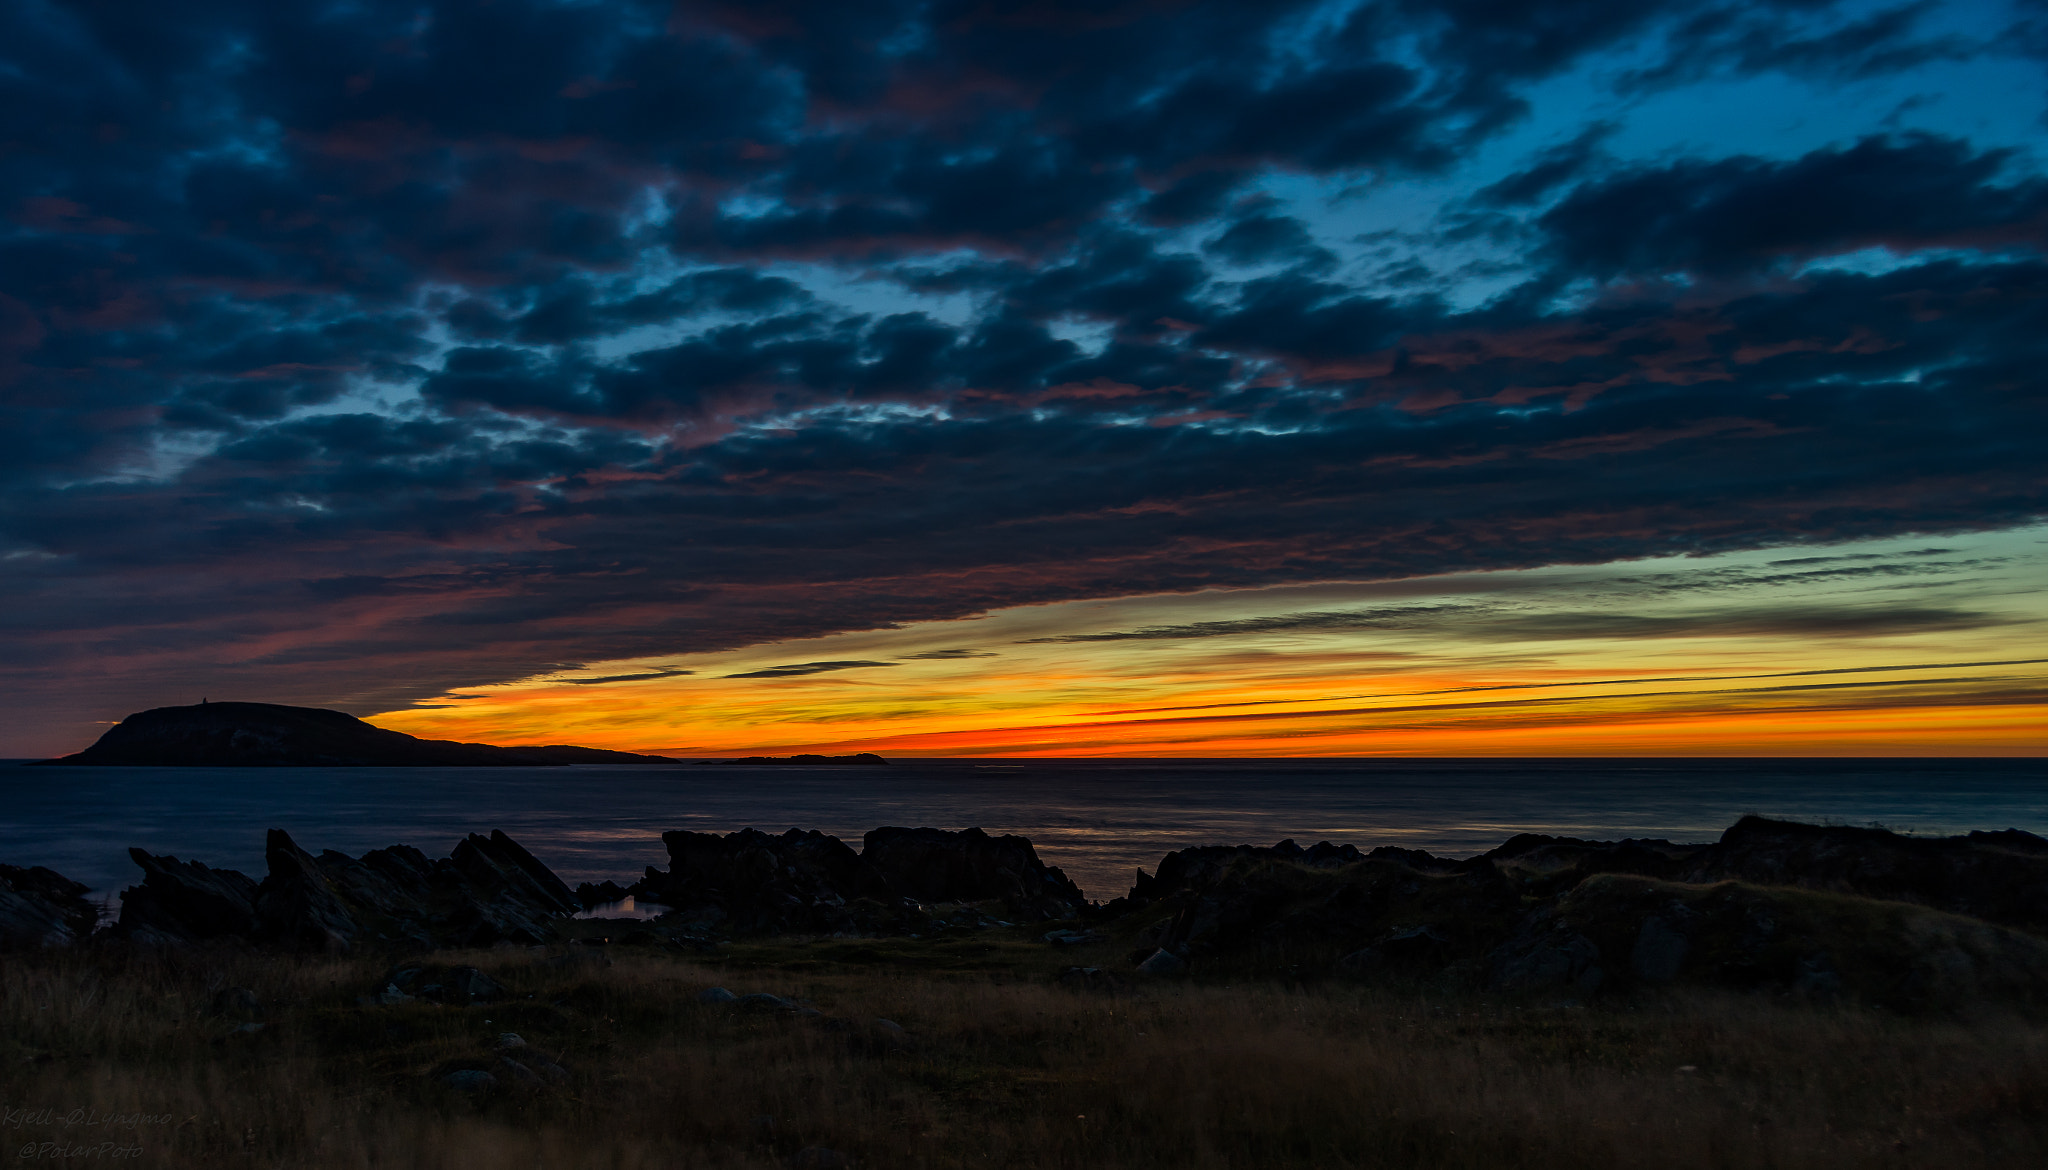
(1899,647)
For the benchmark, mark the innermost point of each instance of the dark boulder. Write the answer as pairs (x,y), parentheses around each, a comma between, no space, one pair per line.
(1541,864)
(749,883)
(1191,868)
(1263,905)
(935,865)
(1998,877)
(1615,932)
(42,908)
(186,901)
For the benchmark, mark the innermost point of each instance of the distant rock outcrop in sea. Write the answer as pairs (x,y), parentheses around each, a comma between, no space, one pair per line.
(859,758)
(268,735)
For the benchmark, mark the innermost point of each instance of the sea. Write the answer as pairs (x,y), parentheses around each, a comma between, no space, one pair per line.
(1099,820)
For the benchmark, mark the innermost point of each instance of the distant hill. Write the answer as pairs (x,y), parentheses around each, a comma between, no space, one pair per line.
(860,758)
(267,735)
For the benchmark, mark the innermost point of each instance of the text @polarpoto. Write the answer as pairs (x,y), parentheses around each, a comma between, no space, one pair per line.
(81,1118)
(66,1152)
(23,1117)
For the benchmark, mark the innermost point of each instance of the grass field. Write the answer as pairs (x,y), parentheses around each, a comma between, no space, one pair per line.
(997,1065)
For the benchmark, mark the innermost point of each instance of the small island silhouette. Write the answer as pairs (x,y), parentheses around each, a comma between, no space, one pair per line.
(271,735)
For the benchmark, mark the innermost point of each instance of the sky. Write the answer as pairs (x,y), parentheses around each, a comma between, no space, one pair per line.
(1155,378)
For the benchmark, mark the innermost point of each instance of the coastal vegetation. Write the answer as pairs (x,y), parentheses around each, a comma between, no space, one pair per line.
(971,1050)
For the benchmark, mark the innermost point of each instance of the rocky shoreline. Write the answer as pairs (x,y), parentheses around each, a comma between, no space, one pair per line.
(1821,911)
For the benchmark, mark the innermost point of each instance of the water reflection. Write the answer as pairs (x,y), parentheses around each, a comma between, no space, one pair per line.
(624,908)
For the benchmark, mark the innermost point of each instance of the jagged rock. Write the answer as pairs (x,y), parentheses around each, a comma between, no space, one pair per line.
(490,891)
(1163,962)
(185,901)
(501,868)
(764,1002)
(1998,877)
(42,908)
(716,995)
(749,883)
(934,865)
(1074,938)
(269,735)
(296,903)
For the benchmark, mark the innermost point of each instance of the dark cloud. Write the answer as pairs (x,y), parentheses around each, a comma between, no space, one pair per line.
(1405,617)
(642,677)
(1553,168)
(1917,692)
(1738,214)
(949,655)
(800,668)
(1263,237)
(1852,46)
(1488,623)
(1800,621)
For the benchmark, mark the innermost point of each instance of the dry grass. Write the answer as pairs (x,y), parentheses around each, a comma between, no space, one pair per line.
(998,1067)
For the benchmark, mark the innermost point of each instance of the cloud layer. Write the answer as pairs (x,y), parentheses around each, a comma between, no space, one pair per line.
(348,355)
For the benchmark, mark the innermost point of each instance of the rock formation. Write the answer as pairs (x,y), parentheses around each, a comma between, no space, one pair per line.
(42,908)
(1804,909)
(1816,911)
(267,735)
(1999,877)
(490,890)
(749,883)
(934,865)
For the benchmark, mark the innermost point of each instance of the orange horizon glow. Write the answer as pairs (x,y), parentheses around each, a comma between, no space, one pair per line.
(1883,648)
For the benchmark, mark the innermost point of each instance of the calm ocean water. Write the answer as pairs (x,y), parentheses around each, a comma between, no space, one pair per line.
(1097,819)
